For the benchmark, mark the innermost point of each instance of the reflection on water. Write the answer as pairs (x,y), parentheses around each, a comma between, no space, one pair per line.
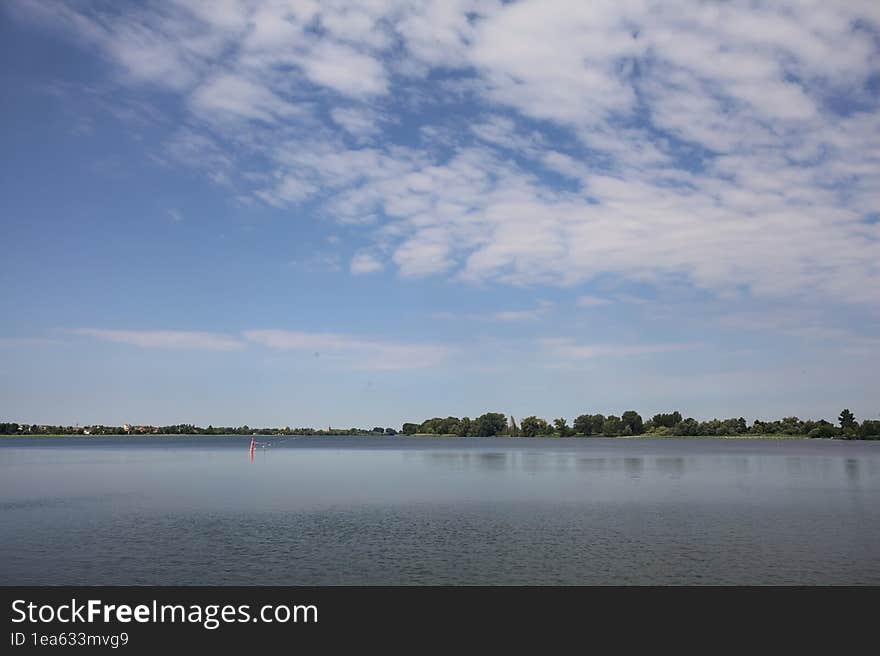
(493,461)
(633,466)
(534,463)
(413,510)
(852,470)
(673,467)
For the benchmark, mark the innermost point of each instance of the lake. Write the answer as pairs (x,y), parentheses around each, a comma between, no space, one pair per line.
(403,510)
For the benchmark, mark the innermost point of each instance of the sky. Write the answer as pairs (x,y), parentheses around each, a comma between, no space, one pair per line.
(339,213)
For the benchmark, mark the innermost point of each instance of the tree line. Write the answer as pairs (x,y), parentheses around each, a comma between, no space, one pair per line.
(631,423)
(490,424)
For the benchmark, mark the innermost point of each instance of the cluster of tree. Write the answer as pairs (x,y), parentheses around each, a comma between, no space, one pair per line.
(848,428)
(486,425)
(631,423)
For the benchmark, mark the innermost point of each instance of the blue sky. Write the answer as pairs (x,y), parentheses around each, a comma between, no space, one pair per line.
(337,213)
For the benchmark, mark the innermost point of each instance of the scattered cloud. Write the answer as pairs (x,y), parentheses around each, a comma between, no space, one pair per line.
(591,301)
(318,262)
(569,349)
(358,123)
(365,263)
(346,351)
(170,339)
(730,145)
(532,314)
(235,96)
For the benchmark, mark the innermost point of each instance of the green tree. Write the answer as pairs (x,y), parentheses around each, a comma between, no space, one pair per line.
(870,429)
(689,427)
(823,431)
(491,423)
(669,420)
(431,426)
(409,429)
(846,419)
(612,426)
(633,421)
(464,427)
(534,426)
(583,424)
(791,426)
(449,426)
(562,427)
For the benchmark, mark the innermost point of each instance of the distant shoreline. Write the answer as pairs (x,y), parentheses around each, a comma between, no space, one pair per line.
(768,436)
(629,424)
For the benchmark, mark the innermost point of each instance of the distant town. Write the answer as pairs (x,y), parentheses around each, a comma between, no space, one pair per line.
(490,424)
(180,429)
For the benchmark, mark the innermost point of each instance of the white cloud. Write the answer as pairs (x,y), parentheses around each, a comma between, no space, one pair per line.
(345,70)
(288,189)
(359,123)
(173,339)
(517,315)
(532,314)
(427,252)
(365,263)
(318,262)
(237,96)
(568,349)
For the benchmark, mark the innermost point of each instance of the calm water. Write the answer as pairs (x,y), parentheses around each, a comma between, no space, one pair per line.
(356,510)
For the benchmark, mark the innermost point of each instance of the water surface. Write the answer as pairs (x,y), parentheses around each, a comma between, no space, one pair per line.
(363,510)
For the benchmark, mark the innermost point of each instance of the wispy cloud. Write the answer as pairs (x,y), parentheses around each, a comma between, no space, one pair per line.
(528,314)
(318,262)
(345,351)
(352,351)
(358,122)
(591,301)
(570,349)
(531,314)
(168,339)
(365,263)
